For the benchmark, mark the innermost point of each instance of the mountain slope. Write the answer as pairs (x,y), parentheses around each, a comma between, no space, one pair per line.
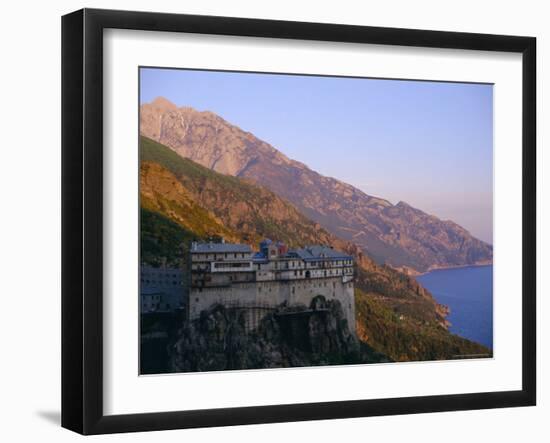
(399,235)
(212,204)
(204,203)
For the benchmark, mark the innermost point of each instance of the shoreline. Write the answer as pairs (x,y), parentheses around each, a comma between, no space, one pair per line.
(444,268)
(456,304)
(414,273)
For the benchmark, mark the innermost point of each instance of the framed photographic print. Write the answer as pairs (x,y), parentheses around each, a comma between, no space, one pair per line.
(269,221)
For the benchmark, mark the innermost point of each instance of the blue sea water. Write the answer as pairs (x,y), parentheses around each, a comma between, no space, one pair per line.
(468,292)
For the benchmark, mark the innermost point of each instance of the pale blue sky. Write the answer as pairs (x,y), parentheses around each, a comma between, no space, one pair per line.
(429,144)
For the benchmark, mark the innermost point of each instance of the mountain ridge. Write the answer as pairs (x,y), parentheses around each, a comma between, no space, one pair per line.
(399,235)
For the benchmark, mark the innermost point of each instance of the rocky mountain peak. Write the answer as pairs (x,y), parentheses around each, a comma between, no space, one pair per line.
(163,103)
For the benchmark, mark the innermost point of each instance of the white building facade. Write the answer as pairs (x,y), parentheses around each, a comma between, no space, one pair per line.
(234,276)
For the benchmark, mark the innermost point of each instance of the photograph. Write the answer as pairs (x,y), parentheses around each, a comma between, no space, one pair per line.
(291,220)
(243,221)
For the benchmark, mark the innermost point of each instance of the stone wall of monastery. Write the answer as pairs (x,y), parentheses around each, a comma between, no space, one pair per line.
(261,296)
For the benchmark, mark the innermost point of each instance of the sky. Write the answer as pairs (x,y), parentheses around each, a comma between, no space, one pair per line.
(429,144)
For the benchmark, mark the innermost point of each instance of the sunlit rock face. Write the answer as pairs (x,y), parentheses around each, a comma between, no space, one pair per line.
(398,235)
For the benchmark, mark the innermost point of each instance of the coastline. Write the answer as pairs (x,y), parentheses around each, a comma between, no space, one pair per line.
(414,273)
(444,268)
(469,296)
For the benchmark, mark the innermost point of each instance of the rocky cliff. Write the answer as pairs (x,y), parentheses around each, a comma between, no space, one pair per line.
(218,341)
(399,235)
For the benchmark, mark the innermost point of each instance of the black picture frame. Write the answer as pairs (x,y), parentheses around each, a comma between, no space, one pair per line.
(82,218)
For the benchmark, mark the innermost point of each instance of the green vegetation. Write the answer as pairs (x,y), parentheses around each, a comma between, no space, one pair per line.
(404,338)
(400,292)
(190,172)
(246,211)
(190,216)
(162,240)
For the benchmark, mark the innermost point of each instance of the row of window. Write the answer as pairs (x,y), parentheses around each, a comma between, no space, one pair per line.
(159,275)
(220,256)
(161,282)
(245,277)
(281,264)
(250,276)
(153,297)
(330,272)
(309,265)
(223,265)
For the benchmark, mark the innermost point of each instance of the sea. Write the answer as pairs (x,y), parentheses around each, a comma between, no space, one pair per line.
(468,292)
